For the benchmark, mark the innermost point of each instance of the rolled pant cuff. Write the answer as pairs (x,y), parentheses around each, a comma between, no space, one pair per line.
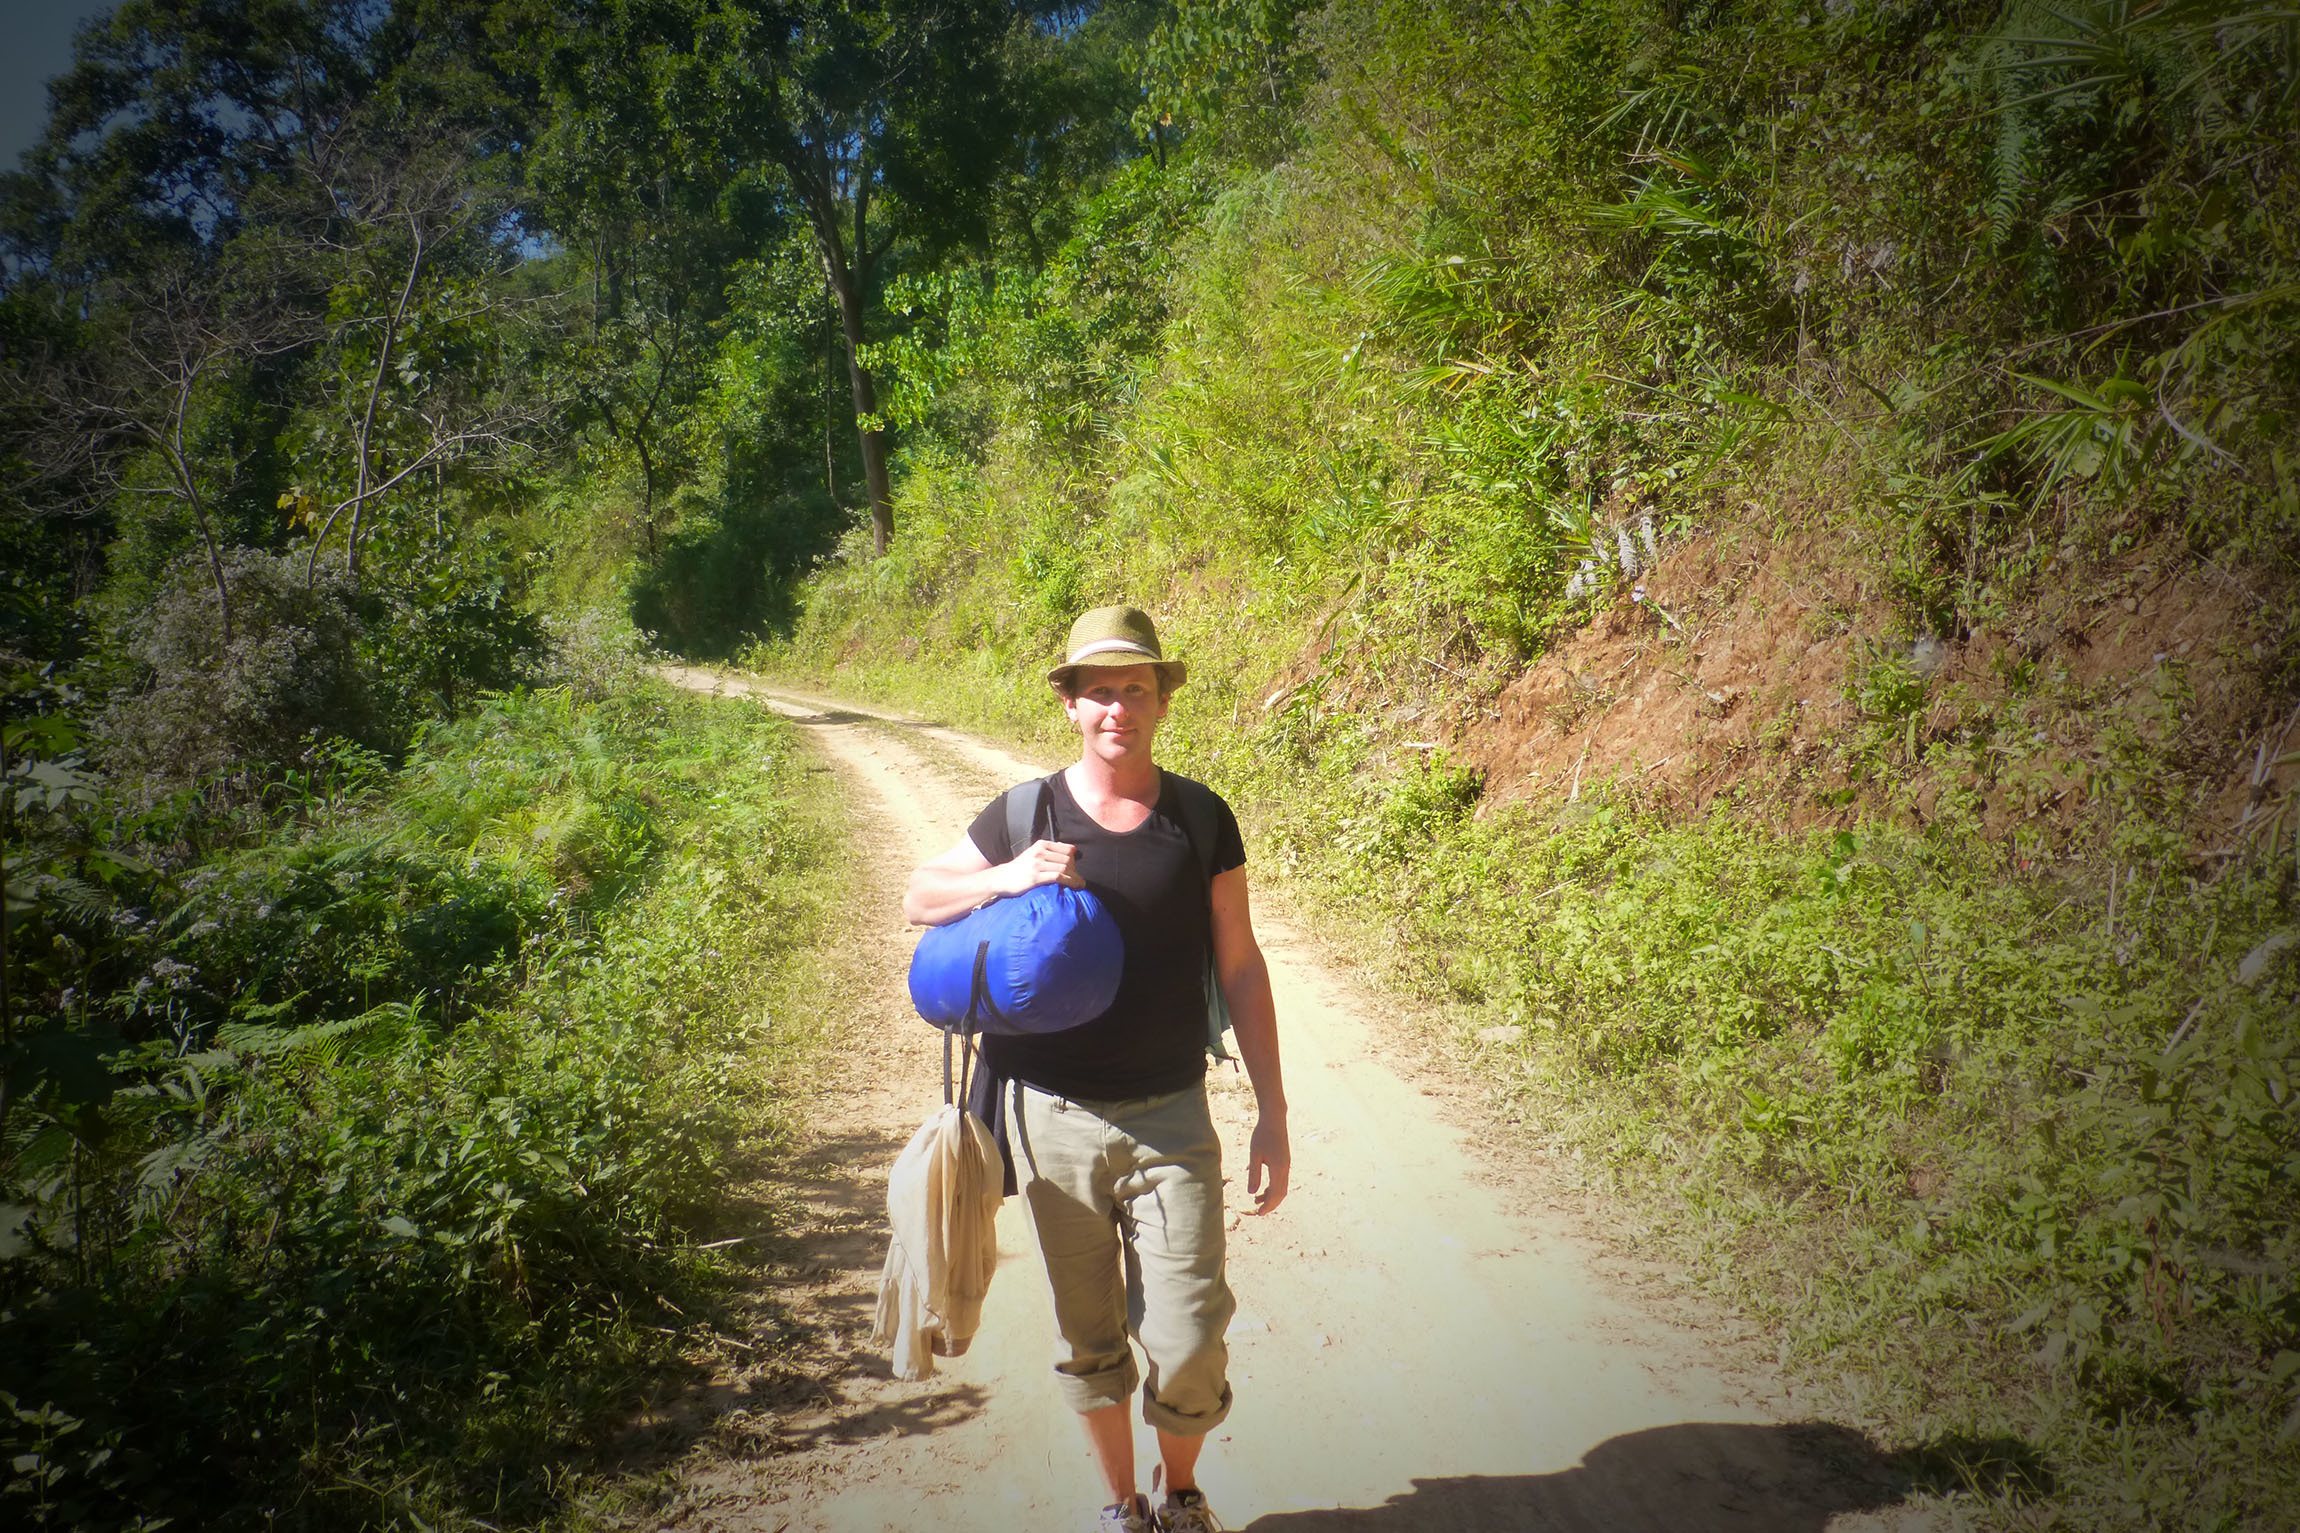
(1167,1419)
(1084,1392)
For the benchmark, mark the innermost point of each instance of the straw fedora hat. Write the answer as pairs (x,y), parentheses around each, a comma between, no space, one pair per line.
(1115,636)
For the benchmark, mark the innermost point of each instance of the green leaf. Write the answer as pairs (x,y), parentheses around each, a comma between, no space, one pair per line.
(69,1063)
(46,732)
(400,1225)
(13,1240)
(2256,962)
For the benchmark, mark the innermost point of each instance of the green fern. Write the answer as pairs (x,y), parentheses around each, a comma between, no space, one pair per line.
(2166,59)
(58,895)
(314,1043)
(2010,174)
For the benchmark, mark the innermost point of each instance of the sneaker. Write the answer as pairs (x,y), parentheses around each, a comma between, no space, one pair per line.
(1128,1516)
(1186,1511)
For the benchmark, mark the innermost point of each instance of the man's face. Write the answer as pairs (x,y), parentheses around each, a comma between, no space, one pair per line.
(1117,710)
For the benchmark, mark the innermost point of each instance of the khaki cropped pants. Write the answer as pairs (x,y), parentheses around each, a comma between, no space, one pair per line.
(1126,1198)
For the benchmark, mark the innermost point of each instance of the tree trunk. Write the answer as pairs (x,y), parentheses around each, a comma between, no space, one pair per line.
(845,289)
(830,410)
(366,430)
(215,566)
(180,462)
(647,495)
(847,274)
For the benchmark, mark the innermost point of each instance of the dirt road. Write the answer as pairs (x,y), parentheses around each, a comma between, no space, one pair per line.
(1417,1348)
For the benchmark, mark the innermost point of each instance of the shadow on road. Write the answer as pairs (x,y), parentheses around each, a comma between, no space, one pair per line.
(1696,1478)
(799,1372)
(947,1406)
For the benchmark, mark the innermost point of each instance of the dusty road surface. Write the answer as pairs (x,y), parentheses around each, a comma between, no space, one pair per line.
(1417,1347)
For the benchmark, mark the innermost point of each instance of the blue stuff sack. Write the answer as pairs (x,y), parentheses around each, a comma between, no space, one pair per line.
(1036,962)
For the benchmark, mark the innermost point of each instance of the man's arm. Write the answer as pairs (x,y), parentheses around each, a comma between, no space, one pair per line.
(1245,980)
(962,879)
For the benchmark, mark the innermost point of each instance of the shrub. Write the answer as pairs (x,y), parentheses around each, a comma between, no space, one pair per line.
(369,1196)
(290,673)
(443,627)
(723,576)
(596,654)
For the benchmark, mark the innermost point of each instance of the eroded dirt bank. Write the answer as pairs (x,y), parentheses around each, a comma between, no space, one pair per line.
(1420,1345)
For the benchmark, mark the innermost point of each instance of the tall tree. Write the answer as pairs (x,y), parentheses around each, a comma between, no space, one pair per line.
(175,112)
(220,182)
(407,380)
(879,121)
(118,400)
(652,226)
(1072,91)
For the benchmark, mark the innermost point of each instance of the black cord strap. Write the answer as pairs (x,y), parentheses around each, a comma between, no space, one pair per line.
(969,1028)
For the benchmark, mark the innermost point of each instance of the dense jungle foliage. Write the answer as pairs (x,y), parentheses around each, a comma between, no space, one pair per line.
(375,370)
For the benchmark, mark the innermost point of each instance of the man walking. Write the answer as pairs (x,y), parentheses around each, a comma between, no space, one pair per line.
(1107,1122)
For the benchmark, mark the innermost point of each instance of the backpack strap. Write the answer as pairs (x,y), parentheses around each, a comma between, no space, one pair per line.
(1194,804)
(1028,806)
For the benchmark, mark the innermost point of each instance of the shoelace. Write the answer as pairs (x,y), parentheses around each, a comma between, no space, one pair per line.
(1126,1516)
(1192,1516)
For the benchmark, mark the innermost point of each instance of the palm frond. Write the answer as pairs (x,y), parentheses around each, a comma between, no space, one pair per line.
(2104,432)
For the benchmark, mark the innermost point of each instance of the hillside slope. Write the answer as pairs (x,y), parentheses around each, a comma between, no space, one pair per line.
(1750,553)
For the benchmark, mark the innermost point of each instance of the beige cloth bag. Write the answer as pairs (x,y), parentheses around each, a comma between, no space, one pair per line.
(942,1199)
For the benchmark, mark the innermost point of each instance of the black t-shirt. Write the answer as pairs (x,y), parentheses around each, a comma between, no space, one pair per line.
(1152,1040)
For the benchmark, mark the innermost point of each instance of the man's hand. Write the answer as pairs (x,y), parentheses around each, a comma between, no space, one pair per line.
(1044,862)
(1269,1162)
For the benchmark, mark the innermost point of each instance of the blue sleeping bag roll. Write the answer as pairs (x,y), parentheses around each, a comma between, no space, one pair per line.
(1035,962)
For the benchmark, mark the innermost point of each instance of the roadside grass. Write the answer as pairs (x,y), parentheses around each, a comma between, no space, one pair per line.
(2008,1178)
(409,1247)
(2012,1176)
